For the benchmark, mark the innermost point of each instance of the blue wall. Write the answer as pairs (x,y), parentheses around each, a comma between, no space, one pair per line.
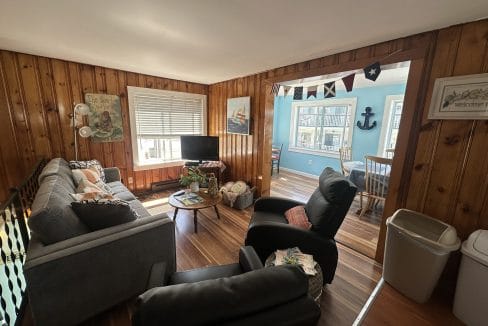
(363,141)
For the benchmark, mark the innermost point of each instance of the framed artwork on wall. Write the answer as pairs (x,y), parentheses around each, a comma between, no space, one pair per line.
(461,97)
(238,115)
(105,118)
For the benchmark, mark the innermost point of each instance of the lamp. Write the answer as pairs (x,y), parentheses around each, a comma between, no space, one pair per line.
(80,109)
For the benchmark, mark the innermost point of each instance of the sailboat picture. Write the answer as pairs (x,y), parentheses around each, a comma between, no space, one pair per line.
(238,115)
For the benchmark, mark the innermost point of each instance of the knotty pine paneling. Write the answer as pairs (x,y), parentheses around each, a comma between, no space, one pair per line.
(37,96)
(442,169)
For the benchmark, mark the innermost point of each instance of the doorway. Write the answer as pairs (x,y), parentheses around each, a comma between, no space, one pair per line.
(309,132)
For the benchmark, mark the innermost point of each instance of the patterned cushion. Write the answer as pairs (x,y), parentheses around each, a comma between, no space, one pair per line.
(100,214)
(94,195)
(88,164)
(296,216)
(89,178)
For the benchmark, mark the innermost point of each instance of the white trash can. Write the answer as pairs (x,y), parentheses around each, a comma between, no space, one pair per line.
(471,299)
(416,251)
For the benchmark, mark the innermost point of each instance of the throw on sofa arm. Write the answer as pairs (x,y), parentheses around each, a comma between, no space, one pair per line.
(112,174)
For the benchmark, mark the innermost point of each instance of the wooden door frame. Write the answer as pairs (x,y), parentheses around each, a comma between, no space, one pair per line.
(420,61)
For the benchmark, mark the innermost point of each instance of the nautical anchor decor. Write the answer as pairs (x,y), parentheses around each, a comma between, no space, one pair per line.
(367,114)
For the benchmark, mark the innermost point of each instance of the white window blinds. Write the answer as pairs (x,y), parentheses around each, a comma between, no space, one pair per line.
(161,115)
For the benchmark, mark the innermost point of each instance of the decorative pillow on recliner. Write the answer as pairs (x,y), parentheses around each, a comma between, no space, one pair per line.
(298,217)
(100,214)
(88,164)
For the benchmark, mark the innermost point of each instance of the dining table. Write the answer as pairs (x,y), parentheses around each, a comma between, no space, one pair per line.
(357,173)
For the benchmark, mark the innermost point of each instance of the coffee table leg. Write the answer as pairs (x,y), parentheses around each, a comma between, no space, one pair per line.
(195,219)
(217,212)
(176,212)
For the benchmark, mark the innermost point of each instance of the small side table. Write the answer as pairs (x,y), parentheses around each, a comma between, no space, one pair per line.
(315,282)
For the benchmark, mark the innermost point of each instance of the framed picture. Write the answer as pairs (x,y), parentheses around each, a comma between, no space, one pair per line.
(238,115)
(462,97)
(105,118)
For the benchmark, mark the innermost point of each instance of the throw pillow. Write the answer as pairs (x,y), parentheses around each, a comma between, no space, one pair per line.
(88,164)
(89,178)
(298,217)
(94,195)
(100,214)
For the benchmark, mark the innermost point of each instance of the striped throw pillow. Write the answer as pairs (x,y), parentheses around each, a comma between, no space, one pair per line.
(298,217)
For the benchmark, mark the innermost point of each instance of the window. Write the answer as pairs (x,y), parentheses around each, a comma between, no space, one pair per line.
(158,118)
(391,123)
(322,127)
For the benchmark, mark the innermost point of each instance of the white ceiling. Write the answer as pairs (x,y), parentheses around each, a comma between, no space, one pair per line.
(214,40)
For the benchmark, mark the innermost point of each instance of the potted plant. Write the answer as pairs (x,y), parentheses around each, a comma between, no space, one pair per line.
(193,178)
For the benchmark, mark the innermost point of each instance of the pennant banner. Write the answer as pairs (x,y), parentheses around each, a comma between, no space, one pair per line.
(286,90)
(298,94)
(348,82)
(372,72)
(275,89)
(312,91)
(329,89)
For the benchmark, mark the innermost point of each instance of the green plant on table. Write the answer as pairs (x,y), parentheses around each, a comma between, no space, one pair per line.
(193,175)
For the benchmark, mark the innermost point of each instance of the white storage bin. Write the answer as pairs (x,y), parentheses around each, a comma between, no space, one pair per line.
(416,251)
(471,299)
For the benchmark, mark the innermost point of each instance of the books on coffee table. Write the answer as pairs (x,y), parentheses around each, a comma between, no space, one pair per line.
(190,198)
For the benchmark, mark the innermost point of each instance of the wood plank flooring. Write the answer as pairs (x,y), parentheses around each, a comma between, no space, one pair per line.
(358,234)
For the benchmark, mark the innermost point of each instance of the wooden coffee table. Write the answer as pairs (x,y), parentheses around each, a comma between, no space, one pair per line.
(209,201)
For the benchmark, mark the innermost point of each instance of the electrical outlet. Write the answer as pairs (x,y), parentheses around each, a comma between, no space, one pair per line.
(130,179)
(309,162)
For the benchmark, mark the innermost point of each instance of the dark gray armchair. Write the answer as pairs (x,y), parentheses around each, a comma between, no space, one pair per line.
(237,294)
(269,230)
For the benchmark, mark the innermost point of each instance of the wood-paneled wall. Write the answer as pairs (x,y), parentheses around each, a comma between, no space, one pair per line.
(37,96)
(443,164)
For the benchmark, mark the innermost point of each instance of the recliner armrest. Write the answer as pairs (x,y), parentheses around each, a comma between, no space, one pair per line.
(275,204)
(249,259)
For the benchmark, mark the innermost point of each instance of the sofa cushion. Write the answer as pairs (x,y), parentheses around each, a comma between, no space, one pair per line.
(120,191)
(87,164)
(139,208)
(59,167)
(101,214)
(52,218)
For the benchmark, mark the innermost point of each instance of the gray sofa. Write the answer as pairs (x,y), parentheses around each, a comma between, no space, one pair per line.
(72,273)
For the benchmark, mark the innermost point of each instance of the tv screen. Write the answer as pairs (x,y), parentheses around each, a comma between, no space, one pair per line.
(201,148)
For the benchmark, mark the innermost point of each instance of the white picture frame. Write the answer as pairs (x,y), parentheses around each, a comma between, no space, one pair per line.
(239,115)
(460,98)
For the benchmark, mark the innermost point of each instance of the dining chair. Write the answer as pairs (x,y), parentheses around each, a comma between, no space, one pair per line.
(276,157)
(377,177)
(345,155)
(390,152)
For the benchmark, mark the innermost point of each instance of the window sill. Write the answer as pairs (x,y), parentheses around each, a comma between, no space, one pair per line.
(314,152)
(157,165)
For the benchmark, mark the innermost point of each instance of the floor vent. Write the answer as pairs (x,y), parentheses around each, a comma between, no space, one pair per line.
(163,185)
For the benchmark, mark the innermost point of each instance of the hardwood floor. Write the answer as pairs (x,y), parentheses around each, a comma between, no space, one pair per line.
(217,242)
(358,234)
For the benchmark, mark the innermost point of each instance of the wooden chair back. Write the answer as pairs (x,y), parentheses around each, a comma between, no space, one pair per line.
(390,152)
(377,176)
(345,155)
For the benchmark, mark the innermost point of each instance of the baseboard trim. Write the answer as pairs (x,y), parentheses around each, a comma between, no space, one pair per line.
(305,174)
(369,303)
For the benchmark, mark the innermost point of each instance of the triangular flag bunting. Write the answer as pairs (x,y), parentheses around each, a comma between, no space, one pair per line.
(286,90)
(348,82)
(329,89)
(275,89)
(312,91)
(298,94)
(372,72)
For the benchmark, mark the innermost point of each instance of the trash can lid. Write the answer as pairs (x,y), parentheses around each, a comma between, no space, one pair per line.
(476,246)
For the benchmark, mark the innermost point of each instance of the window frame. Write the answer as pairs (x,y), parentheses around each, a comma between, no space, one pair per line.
(387,121)
(131,92)
(350,101)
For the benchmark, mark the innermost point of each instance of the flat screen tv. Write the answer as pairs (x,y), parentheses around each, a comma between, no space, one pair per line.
(200,148)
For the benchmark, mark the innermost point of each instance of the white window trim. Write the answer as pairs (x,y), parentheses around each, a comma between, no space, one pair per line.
(385,124)
(132,118)
(352,101)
